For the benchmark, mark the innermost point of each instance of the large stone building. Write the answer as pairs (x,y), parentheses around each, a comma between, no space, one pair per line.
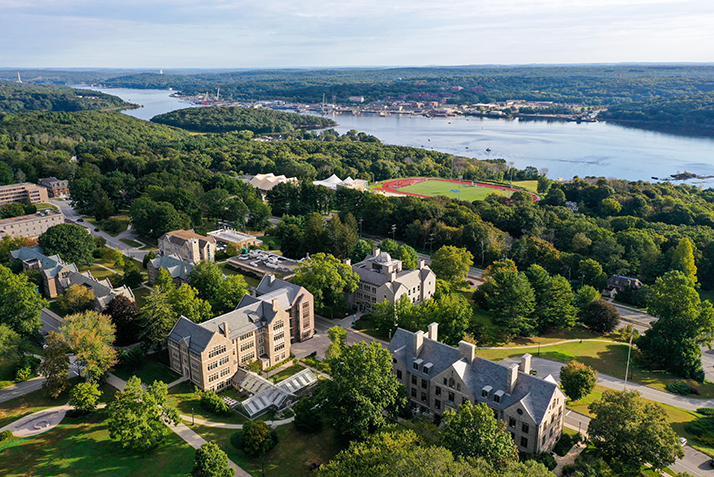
(30,226)
(260,328)
(25,193)
(56,187)
(179,270)
(188,246)
(383,277)
(58,276)
(439,377)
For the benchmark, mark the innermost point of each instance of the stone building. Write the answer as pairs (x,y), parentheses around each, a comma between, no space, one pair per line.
(188,246)
(56,187)
(30,226)
(439,377)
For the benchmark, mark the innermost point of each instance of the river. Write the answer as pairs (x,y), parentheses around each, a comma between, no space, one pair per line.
(565,149)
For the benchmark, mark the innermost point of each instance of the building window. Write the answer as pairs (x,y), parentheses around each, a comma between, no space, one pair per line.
(423,383)
(496,398)
(414,379)
(524,442)
(438,391)
(484,393)
(413,392)
(246,346)
(458,386)
(423,397)
(212,365)
(463,400)
(524,428)
(452,381)
(220,349)
(437,404)
(399,374)
(512,421)
(278,325)
(279,336)
(279,347)
(416,366)
(446,382)
(212,377)
(225,371)
(543,440)
(223,360)
(451,396)
(260,341)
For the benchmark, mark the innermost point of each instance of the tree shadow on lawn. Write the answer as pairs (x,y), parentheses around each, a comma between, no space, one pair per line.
(81,446)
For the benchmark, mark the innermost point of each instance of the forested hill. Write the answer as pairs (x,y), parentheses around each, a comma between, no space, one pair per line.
(108,127)
(259,121)
(18,97)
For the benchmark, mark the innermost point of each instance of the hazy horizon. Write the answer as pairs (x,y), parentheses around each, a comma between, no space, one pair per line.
(315,34)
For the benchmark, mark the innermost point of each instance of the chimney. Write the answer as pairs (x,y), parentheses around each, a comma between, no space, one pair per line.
(525,366)
(375,252)
(275,304)
(225,329)
(348,262)
(422,264)
(467,350)
(433,329)
(418,342)
(512,377)
(271,278)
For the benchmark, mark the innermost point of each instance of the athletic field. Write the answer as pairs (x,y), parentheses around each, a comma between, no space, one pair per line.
(429,187)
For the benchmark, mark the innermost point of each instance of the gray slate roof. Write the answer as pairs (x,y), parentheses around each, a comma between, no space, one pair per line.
(196,336)
(51,265)
(533,393)
(270,284)
(176,267)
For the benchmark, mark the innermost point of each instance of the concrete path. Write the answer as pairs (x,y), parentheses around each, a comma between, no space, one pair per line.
(25,387)
(37,422)
(183,431)
(225,425)
(568,458)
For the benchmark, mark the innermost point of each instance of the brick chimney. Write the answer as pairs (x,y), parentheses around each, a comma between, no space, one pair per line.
(525,366)
(467,350)
(418,342)
(433,331)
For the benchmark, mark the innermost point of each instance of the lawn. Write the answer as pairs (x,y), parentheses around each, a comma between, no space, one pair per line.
(606,357)
(132,243)
(286,373)
(149,371)
(290,458)
(7,372)
(82,446)
(140,295)
(182,397)
(122,219)
(365,325)
(531,186)
(100,273)
(470,193)
(250,280)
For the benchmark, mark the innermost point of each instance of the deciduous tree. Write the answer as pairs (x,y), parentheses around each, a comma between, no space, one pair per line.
(124,315)
(138,418)
(256,438)
(91,336)
(631,431)
(328,279)
(600,316)
(451,263)
(163,308)
(577,380)
(472,431)
(510,297)
(211,461)
(84,397)
(76,299)
(55,365)
(72,242)
(20,303)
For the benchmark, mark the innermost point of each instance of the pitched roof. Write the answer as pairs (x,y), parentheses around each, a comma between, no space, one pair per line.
(51,266)
(196,336)
(533,393)
(269,285)
(176,267)
(180,237)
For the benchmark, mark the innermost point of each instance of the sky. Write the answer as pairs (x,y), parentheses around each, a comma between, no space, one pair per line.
(321,33)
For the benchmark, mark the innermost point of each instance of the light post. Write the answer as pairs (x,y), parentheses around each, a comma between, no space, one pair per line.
(394,231)
(193,420)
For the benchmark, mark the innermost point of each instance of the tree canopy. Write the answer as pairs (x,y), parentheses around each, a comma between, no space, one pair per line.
(71,242)
(20,303)
(451,263)
(328,279)
(91,336)
(577,380)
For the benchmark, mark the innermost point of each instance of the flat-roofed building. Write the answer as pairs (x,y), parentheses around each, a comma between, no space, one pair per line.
(30,226)
(240,240)
(24,193)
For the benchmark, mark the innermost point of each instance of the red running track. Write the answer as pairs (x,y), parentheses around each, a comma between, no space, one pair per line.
(391,186)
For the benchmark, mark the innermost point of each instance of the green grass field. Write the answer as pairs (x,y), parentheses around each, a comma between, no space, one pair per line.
(469,193)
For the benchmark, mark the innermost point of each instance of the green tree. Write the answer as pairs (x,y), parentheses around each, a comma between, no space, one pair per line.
(9,341)
(600,316)
(328,279)
(10,210)
(337,335)
(592,274)
(211,461)
(684,323)
(20,303)
(91,336)
(132,274)
(147,258)
(163,308)
(256,438)
(138,418)
(361,390)
(451,263)
(631,431)
(577,380)
(55,365)
(553,300)
(472,431)
(308,417)
(72,242)
(163,280)
(683,259)
(84,397)
(76,299)
(584,297)
(361,249)
(223,294)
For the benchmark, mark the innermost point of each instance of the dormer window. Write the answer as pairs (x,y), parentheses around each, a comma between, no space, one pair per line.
(427,367)
(497,396)
(417,363)
(485,391)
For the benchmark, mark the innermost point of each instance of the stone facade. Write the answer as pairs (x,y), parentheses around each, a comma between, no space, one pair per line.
(56,187)
(439,377)
(382,277)
(30,226)
(188,246)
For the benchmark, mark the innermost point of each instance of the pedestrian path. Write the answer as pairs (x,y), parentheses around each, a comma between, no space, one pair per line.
(568,458)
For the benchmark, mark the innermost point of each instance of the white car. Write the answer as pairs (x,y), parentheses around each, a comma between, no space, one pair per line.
(682,441)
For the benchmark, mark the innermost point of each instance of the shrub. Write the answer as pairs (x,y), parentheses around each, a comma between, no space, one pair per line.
(544,458)
(111,225)
(256,438)
(26,367)
(307,416)
(678,387)
(703,430)
(5,435)
(707,411)
(211,402)
(564,444)
(132,358)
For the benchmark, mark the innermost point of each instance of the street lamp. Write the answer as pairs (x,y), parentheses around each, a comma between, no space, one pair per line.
(394,231)
(193,420)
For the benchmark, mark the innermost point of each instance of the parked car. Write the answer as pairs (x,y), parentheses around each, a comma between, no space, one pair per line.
(682,441)
(80,220)
(96,229)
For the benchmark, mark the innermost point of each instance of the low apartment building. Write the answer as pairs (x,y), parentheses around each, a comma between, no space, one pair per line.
(383,277)
(188,246)
(56,187)
(439,377)
(25,193)
(30,226)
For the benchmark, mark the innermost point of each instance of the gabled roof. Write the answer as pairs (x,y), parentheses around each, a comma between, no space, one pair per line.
(180,237)
(243,319)
(51,266)
(532,393)
(176,267)
(269,285)
(196,336)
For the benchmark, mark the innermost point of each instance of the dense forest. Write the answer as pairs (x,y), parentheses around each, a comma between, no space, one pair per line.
(258,121)
(17,97)
(630,228)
